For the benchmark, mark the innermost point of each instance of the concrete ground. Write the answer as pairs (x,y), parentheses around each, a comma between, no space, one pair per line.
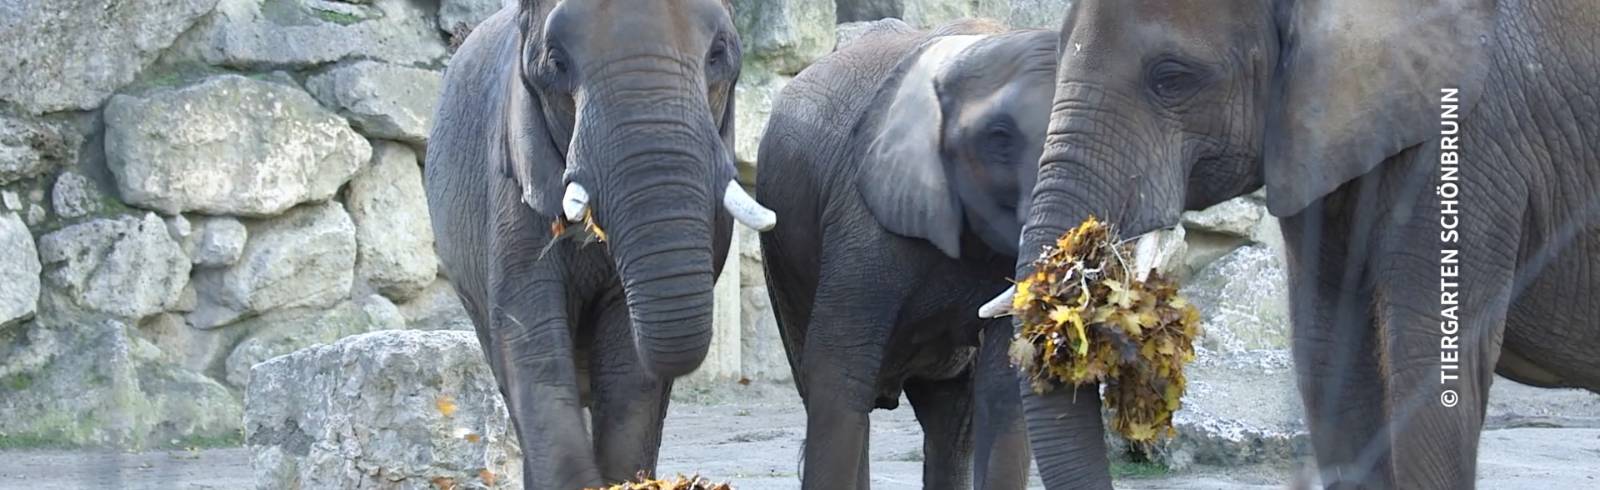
(752,437)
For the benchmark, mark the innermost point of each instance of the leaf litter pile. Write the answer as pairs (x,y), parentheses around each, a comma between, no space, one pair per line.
(1088,318)
(680,482)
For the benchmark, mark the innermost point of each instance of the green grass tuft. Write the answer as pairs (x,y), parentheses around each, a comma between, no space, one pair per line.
(233,438)
(340,18)
(1137,470)
(31,441)
(17,382)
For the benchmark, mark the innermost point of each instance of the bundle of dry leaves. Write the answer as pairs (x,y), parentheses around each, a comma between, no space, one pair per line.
(1087,318)
(679,482)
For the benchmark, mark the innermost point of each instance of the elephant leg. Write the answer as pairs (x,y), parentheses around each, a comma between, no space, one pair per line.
(1000,460)
(530,351)
(629,403)
(1441,339)
(1335,349)
(845,345)
(944,409)
(839,377)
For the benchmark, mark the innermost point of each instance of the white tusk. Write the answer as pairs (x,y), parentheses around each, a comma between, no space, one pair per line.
(1000,306)
(1158,250)
(575,202)
(746,210)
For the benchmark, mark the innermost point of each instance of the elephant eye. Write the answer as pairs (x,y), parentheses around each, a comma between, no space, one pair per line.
(555,60)
(1000,140)
(719,51)
(1173,82)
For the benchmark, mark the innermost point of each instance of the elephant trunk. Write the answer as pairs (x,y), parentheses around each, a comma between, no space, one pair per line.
(1083,172)
(655,191)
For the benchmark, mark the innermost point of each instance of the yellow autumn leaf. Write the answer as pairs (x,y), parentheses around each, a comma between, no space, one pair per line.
(446,405)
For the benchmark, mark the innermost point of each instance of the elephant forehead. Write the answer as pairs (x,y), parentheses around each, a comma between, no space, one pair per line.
(938,57)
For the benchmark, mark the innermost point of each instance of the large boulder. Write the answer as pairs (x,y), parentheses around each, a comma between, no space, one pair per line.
(381,100)
(1243,300)
(193,349)
(19,271)
(392,409)
(394,236)
(82,381)
(849,32)
(279,333)
(784,36)
(129,266)
(229,145)
(71,55)
(436,308)
(216,241)
(466,14)
(753,98)
(762,351)
(922,13)
(1038,14)
(305,33)
(29,147)
(303,259)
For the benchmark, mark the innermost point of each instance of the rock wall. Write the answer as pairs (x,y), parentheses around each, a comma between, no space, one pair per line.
(191,187)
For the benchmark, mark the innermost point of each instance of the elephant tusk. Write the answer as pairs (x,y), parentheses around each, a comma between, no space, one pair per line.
(1000,306)
(746,210)
(575,202)
(1159,250)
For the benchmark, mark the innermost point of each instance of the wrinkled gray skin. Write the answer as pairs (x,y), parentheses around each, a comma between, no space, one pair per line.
(630,98)
(897,190)
(1334,107)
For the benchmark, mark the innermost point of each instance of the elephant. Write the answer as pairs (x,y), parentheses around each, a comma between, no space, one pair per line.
(1431,163)
(611,120)
(899,168)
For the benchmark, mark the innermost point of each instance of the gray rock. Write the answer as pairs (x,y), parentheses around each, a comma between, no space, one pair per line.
(436,308)
(58,56)
(218,241)
(83,381)
(396,409)
(762,351)
(469,13)
(127,267)
(193,349)
(303,259)
(11,200)
(849,32)
(381,100)
(280,333)
(922,13)
(394,235)
(29,147)
(784,36)
(229,145)
(19,271)
(1236,217)
(754,99)
(1243,301)
(1239,409)
(74,196)
(303,33)
(1038,14)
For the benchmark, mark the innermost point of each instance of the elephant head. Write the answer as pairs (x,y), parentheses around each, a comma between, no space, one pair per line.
(1163,105)
(953,150)
(626,120)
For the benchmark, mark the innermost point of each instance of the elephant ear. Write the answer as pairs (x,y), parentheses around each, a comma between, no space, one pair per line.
(902,176)
(1359,81)
(531,156)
